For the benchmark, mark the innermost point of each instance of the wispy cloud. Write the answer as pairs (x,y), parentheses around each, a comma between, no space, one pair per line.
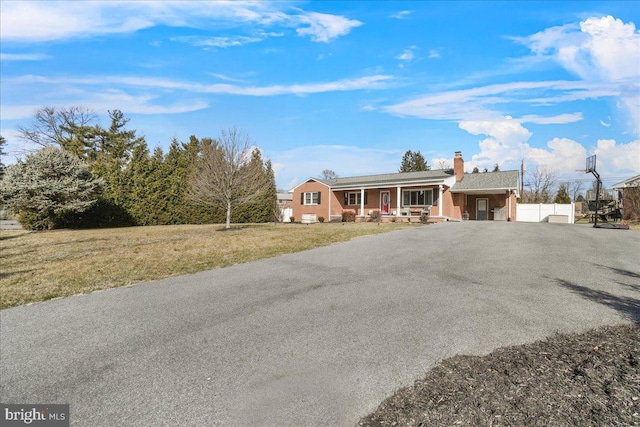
(560,119)
(34,21)
(23,57)
(407,56)
(322,27)
(147,95)
(433,54)
(486,102)
(359,83)
(598,49)
(401,14)
(225,42)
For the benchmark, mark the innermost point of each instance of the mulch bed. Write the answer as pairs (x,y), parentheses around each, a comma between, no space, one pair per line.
(590,379)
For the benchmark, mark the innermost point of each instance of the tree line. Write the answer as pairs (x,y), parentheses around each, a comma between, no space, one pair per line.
(87,176)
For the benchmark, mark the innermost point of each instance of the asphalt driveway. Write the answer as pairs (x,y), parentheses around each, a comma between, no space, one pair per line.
(314,338)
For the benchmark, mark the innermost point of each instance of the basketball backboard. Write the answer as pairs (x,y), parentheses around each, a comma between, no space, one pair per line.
(591,164)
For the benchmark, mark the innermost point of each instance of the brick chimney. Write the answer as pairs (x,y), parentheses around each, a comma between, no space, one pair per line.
(458,166)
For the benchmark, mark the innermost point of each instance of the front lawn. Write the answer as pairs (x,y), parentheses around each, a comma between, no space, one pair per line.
(37,266)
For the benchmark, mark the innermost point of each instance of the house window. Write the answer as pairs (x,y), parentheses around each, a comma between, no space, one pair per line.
(310,198)
(353,198)
(420,197)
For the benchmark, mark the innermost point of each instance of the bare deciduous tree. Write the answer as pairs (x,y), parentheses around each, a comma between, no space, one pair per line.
(541,183)
(631,201)
(328,174)
(575,189)
(443,164)
(224,174)
(56,126)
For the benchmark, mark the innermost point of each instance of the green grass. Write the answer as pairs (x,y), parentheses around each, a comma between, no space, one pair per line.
(37,266)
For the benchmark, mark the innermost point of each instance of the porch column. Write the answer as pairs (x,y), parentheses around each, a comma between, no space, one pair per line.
(440,200)
(398,201)
(362,201)
(509,203)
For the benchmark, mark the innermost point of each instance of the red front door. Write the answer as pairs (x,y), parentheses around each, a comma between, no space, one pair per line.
(385,201)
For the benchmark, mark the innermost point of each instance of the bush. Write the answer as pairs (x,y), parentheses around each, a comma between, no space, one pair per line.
(292,218)
(375,216)
(348,216)
(320,219)
(424,217)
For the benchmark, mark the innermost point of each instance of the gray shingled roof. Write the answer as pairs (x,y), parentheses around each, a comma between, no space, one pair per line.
(487,181)
(627,182)
(379,180)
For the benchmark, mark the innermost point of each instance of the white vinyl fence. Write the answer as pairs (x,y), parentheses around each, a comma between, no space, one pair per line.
(540,212)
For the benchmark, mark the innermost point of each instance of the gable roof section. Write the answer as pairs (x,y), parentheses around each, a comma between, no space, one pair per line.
(399,178)
(631,182)
(309,180)
(488,181)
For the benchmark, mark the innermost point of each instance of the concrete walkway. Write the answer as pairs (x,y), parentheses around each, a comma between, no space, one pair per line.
(314,338)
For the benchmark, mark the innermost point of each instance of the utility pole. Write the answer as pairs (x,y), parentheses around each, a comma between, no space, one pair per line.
(522,169)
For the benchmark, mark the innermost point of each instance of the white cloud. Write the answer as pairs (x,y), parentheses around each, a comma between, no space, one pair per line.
(105,100)
(433,54)
(359,83)
(406,55)
(34,21)
(488,102)
(560,119)
(401,14)
(508,142)
(23,57)
(617,159)
(598,49)
(323,27)
(602,48)
(508,132)
(225,42)
(506,139)
(605,124)
(564,156)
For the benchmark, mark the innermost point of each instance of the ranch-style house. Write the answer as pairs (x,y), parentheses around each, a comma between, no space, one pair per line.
(445,194)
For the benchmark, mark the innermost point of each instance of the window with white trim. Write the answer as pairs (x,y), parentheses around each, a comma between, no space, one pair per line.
(353,198)
(310,198)
(420,197)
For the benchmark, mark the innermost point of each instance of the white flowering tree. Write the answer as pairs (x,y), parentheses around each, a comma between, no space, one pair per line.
(49,183)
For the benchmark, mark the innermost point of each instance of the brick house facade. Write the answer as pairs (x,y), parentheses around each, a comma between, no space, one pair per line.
(447,194)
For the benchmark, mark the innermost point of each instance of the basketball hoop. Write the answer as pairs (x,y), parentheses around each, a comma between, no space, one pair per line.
(591,164)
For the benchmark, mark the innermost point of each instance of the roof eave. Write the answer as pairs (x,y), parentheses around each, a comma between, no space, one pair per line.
(386,184)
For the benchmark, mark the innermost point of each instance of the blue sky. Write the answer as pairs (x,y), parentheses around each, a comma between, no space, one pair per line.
(347,86)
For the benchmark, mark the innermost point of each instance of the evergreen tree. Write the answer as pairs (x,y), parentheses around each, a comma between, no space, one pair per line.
(137,176)
(413,162)
(49,184)
(562,195)
(496,168)
(3,142)
(475,170)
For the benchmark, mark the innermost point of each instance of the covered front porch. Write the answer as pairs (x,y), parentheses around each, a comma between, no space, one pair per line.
(399,203)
